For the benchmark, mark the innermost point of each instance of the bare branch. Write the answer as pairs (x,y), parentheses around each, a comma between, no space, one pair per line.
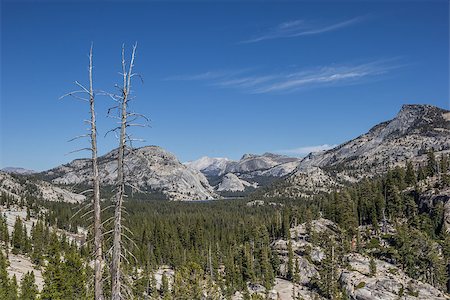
(79,137)
(85,89)
(79,150)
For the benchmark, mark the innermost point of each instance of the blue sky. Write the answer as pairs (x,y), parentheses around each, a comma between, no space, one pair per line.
(220,78)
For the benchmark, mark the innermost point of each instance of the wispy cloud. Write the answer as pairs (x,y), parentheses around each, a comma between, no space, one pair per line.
(299,28)
(306,150)
(282,82)
(209,75)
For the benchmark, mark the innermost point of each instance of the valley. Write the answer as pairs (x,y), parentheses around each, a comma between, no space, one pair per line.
(368,219)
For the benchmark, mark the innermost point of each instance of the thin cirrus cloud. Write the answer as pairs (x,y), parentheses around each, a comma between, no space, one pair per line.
(333,75)
(301,151)
(299,28)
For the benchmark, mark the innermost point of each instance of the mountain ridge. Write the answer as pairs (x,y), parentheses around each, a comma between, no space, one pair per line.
(407,137)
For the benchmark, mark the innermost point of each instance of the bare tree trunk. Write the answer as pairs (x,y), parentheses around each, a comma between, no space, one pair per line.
(98,255)
(116,281)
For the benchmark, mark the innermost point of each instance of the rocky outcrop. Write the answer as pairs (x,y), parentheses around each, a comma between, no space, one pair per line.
(388,283)
(431,197)
(232,183)
(21,187)
(149,169)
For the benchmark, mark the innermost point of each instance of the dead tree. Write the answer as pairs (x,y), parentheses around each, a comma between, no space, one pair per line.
(117,253)
(97,228)
(98,264)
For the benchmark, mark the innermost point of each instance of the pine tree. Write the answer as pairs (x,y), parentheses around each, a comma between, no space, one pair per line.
(394,202)
(410,176)
(28,287)
(4,281)
(64,279)
(4,235)
(18,238)
(421,174)
(12,291)
(444,164)
(290,270)
(38,240)
(431,164)
(165,290)
(372,267)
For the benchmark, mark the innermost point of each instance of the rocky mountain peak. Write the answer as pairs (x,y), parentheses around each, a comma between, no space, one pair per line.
(248,155)
(150,168)
(407,137)
(419,119)
(273,155)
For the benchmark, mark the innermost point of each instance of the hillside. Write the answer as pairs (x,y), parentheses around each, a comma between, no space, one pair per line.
(415,130)
(19,187)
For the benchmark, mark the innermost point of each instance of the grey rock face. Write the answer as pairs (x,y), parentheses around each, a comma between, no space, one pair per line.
(148,168)
(386,284)
(36,188)
(432,197)
(416,128)
(232,183)
(252,163)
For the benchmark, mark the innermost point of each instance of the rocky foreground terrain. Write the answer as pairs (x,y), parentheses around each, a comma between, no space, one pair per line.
(385,282)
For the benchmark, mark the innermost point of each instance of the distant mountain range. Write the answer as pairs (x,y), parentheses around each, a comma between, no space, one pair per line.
(248,173)
(13,170)
(151,169)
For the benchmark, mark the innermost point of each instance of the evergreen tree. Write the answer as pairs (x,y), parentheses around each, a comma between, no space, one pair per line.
(290,270)
(431,164)
(38,240)
(410,176)
(188,282)
(372,267)
(28,287)
(4,281)
(421,175)
(18,238)
(165,290)
(444,163)
(4,235)
(12,291)
(64,279)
